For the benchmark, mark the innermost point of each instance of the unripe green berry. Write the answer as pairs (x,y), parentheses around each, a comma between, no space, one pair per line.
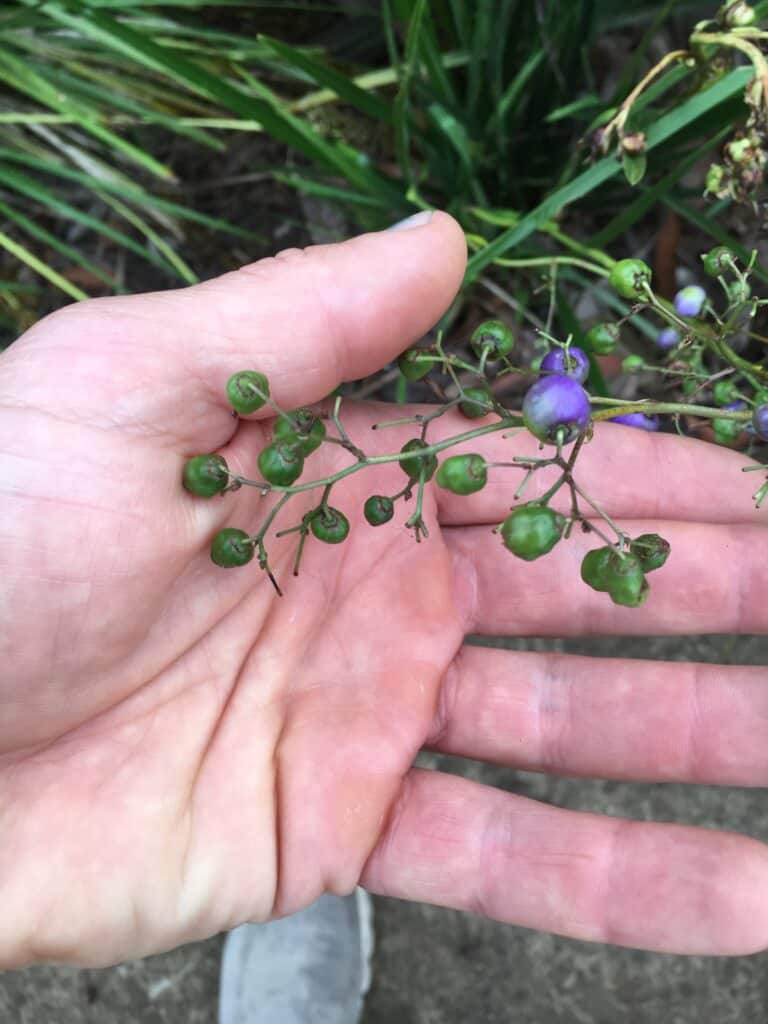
(309,432)
(477,402)
(494,337)
(625,581)
(282,462)
(603,338)
(726,431)
(413,364)
(739,151)
(650,550)
(414,465)
(718,260)
(247,391)
(463,474)
(532,530)
(230,548)
(594,567)
(738,291)
(738,14)
(205,475)
(714,180)
(378,509)
(629,278)
(724,392)
(632,363)
(329,525)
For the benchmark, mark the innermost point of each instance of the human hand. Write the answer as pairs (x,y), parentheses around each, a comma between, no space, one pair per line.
(182,751)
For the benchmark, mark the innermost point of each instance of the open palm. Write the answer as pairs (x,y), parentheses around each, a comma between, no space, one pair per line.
(182,751)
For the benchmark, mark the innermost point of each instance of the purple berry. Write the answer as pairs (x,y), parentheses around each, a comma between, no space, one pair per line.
(667,338)
(689,301)
(760,422)
(640,420)
(574,363)
(554,404)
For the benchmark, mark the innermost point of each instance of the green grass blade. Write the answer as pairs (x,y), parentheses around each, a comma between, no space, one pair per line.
(414,13)
(125,189)
(325,191)
(23,254)
(714,230)
(607,168)
(402,100)
(481,47)
(21,76)
(173,259)
(31,188)
(514,90)
(326,77)
(264,107)
(39,233)
(582,105)
(454,131)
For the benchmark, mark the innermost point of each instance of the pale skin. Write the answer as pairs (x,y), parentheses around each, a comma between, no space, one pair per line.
(182,751)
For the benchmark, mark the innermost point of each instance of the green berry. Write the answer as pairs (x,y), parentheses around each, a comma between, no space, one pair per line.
(414,465)
(532,530)
(632,363)
(309,432)
(651,551)
(726,431)
(724,392)
(494,337)
(329,525)
(629,278)
(281,463)
(718,260)
(594,567)
(625,581)
(761,397)
(738,15)
(378,509)
(230,548)
(205,475)
(738,291)
(247,391)
(714,179)
(413,364)
(463,474)
(477,402)
(603,338)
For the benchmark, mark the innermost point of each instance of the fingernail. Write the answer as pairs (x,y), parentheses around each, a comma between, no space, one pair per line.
(416,220)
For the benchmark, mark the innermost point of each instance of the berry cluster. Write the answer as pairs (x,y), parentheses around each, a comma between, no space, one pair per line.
(556,409)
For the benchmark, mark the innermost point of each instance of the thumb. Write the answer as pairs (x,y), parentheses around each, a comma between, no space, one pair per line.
(315,317)
(312,318)
(307,318)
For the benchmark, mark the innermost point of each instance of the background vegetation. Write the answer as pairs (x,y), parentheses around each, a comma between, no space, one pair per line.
(118,116)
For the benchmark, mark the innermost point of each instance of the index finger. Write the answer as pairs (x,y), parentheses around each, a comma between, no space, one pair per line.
(628,472)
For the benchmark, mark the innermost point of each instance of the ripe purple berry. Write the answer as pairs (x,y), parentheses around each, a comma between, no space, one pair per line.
(667,338)
(689,301)
(760,422)
(573,363)
(556,405)
(640,420)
